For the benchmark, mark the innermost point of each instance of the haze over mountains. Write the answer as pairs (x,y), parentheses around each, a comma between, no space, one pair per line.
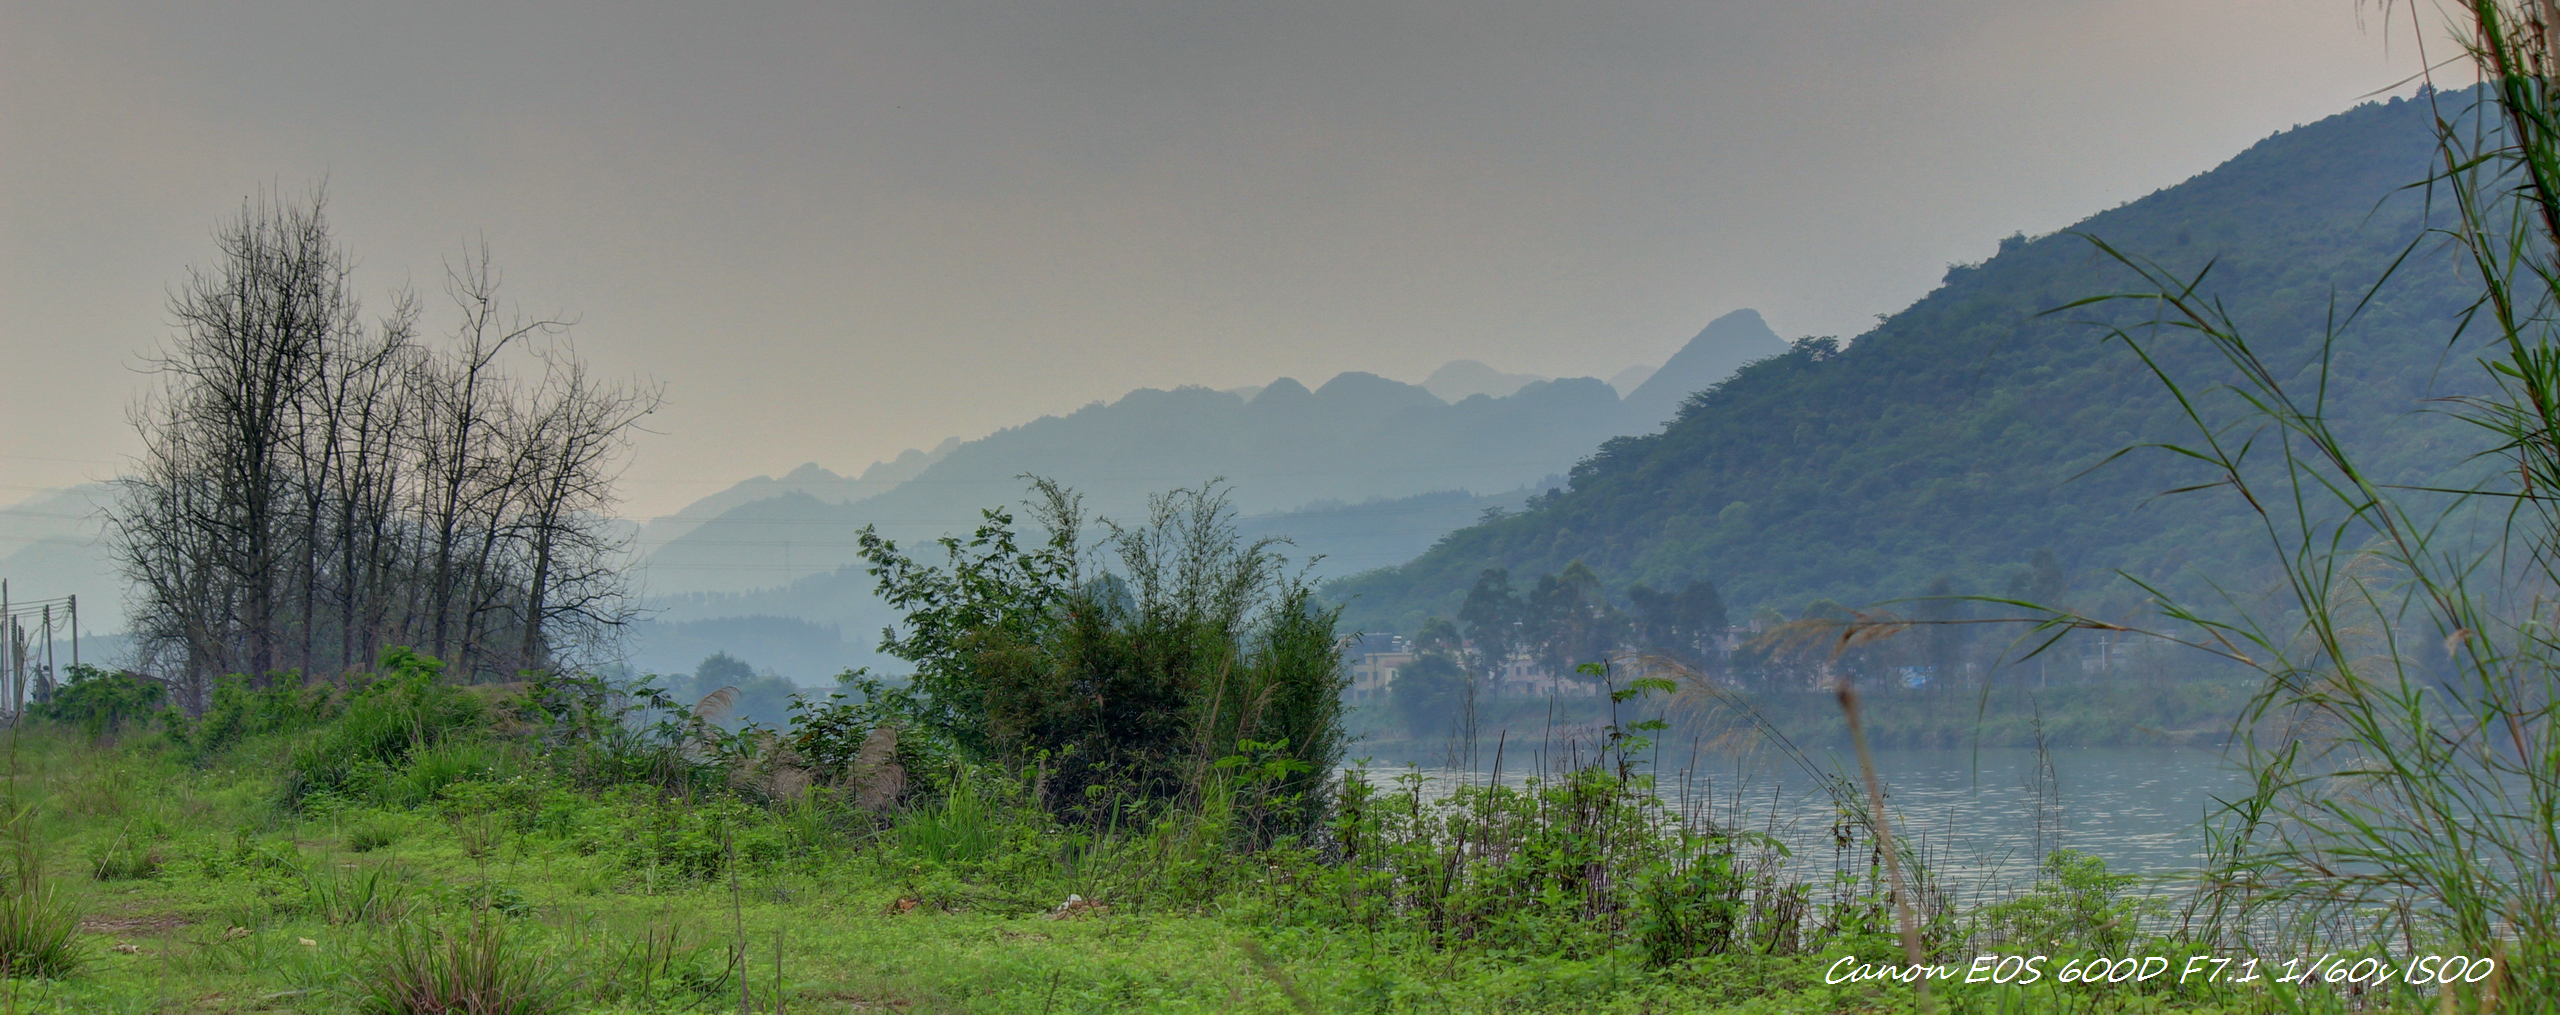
(1966,433)
(50,546)
(1953,440)
(1360,472)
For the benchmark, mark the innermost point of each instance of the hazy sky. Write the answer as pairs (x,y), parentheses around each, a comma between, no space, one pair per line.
(839,230)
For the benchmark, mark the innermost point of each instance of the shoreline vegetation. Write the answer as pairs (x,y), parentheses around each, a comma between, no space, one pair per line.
(402,843)
(1110,782)
(2010,714)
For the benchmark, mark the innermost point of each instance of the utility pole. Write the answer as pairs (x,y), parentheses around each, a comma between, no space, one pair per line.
(47,678)
(11,657)
(75,632)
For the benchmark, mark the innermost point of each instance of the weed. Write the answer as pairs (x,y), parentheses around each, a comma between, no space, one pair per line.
(126,861)
(39,935)
(373,895)
(479,966)
(371,835)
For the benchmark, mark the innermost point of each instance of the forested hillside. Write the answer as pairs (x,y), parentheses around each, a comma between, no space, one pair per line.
(1966,433)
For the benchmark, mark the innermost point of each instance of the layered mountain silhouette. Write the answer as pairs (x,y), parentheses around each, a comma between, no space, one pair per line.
(1460,379)
(1976,428)
(1358,473)
(808,480)
(1358,438)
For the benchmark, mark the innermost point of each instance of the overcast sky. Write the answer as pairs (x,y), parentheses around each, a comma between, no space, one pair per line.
(837,230)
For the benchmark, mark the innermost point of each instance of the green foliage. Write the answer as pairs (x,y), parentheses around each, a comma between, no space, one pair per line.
(371,835)
(1428,693)
(376,895)
(828,736)
(1128,683)
(2404,738)
(599,732)
(241,709)
(1576,866)
(664,961)
(123,859)
(2077,901)
(404,712)
(102,704)
(960,827)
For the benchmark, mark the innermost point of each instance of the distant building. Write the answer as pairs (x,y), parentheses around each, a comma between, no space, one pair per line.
(1523,676)
(1374,661)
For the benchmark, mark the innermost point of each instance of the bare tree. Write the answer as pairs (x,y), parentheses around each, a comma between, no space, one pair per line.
(570,446)
(313,490)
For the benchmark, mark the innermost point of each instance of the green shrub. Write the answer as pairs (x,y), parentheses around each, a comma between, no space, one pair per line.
(250,856)
(282,703)
(480,967)
(960,828)
(103,704)
(39,936)
(1122,668)
(404,713)
(432,772)
(2077,903)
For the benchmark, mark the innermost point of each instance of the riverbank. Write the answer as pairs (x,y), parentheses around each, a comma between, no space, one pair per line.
(416,848)
(2010,714)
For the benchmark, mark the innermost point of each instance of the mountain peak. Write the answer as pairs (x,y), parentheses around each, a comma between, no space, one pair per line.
(1460,378)
(1722,347)
(1359,387)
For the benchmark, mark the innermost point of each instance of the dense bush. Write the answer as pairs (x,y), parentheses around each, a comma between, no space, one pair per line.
(102,704)
(403,713)
(1123,684)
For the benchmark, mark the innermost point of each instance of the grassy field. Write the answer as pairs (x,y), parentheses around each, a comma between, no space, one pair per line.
(488,866)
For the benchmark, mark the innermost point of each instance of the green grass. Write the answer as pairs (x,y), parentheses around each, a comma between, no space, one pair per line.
(537,897)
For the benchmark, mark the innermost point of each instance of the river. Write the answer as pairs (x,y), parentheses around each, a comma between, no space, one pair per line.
(1972,814)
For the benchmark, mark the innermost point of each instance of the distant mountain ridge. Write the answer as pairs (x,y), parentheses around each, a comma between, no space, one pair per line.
(1360,437)
(1359,473)
(808,480)
(1966,433)
(1459,379)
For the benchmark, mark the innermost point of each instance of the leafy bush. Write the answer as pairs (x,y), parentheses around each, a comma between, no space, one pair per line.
(600,733)
(102,704)
(283,703)
(1121,684)
(2076,902)
(405,712)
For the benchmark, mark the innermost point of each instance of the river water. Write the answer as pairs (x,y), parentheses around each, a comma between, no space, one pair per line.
(1974,815)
